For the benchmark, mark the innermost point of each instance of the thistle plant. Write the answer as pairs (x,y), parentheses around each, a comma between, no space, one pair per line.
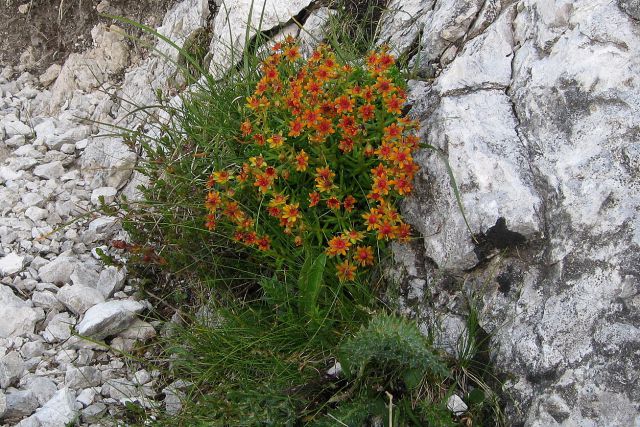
(327,156)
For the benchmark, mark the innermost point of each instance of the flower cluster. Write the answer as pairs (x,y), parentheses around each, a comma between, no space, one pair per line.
(328,153)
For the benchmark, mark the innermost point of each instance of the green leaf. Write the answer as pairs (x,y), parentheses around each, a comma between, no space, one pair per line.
(475,397)
(310,284)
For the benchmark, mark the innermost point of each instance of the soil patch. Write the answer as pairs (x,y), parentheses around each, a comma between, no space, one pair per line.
(53,29)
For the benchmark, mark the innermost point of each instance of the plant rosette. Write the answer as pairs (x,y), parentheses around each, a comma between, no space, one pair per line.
(328,156)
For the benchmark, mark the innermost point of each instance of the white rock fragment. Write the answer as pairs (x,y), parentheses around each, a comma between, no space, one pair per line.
(83,377)
(20,404)
(11,264)
(59,411)
(109,318)
(456,405)
(108,193)
(111,280)
(11,368)
(59,328)
(79,299)
(51,170)
(58,271)
(50,75)
(43,388)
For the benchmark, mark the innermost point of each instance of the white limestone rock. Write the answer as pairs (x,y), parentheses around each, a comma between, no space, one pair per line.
(109,318)
(231,22)
(59,411)
(59,328)
(43,388)
(11,264)
(107,162)
(58,271)
(18,318)
(51,170)
(111,280)
(11,369)
(83,377)
(108,193)
(79,299)
(20,404)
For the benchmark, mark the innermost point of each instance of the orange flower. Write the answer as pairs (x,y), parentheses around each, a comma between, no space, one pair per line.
(383,85)
(250,237)
(245,127)
(393,131)
(278,199)
(381,185)
(298,241)
(314,199)
(292,53)
(354,236)
(213,200)
(210,222)
(338,245)
(295,127)
(384,151)
(333,203)
(404,232)
(264,243)
(302,161)
(232,211)
(324,179)
(394,104)
(401,156)
(364,255)
(276,140)
(346,145)
(324,126)
(371,219)
(263,183)
(259,139)
(290,213)
(386,230)
(366,112)
(274,211)
(344,104)
(346,271)
(221,177)
(314,87)
(348,203)
(402,185)
(310,117)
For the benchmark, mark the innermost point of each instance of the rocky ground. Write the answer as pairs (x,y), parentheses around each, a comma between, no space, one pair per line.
(535,104)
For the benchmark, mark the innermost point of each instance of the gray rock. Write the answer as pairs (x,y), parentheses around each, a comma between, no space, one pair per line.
(85,275)
(43,388)
(17,128)
(35,213)
(47,300)
(83,377)
(11,264)
(17,317)
(20,404)
(3,404)
(59,328)
(50,75)
(108,193)
(11,369)
(111,280)
(79,299)
(87,396)
(109,318)
(51,170)
(456,405)
(139,331)
(32,349)
(107,162)
(58,271)
(59,411)
(94,413)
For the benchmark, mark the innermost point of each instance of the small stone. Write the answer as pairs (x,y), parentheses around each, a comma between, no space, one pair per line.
(83,377)
(50,170)
(86,396)
(11,264)
(11,369)
(111,280)
(79,299)
(139,331)
(50,75)
(24,8)
(32,349)
(17,128)
(59,328)
(3,404)
(59,410)
(35,213)
(109,318)
(46,300)
(58,270)
(43,388)
(94,413)
(20,404)
(108,193)
(456,405)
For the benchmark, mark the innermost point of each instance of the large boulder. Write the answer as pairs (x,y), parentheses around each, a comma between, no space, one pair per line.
(535,106)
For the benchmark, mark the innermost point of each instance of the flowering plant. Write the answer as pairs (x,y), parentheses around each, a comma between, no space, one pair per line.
(328,154)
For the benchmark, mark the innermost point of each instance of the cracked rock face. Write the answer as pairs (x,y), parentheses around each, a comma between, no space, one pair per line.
(535,106)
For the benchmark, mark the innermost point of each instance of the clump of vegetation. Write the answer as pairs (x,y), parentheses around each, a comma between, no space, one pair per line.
(271,204)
